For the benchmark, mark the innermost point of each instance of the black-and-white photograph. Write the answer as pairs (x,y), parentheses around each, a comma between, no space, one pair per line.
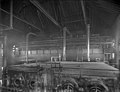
(59,46)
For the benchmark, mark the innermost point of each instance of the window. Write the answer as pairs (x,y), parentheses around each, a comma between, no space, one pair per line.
(53,51)
(97,51)
(59,51)
(23,52)
(40,51)
(33,52)
(29,52)
(46,51)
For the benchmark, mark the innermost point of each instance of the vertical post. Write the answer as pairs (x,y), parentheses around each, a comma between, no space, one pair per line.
(0,12)
(117,57)
(83,10)
(4,51)
(27,48)
(88,30)
(64,43)
(88,42)
(45,82)
(1,66)
(117,50)
(117,39)
(11,13)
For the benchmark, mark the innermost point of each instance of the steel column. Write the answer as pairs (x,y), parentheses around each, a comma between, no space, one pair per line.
(11,14)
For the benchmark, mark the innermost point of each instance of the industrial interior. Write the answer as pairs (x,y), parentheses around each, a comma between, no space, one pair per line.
(59,46)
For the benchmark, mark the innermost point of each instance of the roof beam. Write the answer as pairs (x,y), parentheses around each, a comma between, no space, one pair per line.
(37,4)
(108,6)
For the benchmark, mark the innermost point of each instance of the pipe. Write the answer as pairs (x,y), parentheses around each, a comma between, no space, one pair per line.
(88,42)
(11,14)
(45,82)
(4,51)
(83,10)
(88,31)
(0,13)
(27,39)
(64,43)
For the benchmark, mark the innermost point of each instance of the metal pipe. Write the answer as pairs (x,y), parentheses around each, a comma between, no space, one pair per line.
(11,14)
(0,12)
(117,37)
(64,43)
(117,54)
(45,82)
(84,14)
(88,42)
(27,40)
(4,51)
(88,31)
(68,22)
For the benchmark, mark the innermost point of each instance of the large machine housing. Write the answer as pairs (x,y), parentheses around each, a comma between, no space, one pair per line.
(60,76)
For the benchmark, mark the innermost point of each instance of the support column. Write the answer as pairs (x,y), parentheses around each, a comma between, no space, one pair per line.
(11,14)
(88,42)
(117,40)
(64,43)
(45,82)
(4,51)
